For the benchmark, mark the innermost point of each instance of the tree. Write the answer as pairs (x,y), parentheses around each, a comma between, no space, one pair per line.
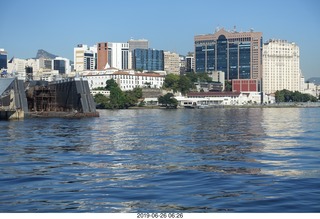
(110,84)
(101,101)
(290,96)
(184,84)
(171,81)
(117,98)
(168,101)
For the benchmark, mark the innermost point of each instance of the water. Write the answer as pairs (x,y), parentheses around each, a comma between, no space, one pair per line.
(209,160)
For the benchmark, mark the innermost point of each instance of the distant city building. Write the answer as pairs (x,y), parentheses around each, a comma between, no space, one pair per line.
(102,55)
(127,80)
(85,58)
(118,55)
(62,65)
(138,44)
(218,76)
(172,63)
(3,59)
(281,66)
(238,54)
(148,59)
(246,85)
(189,66)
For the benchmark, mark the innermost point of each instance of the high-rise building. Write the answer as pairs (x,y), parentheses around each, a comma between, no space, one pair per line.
(238,54)
(281,66)
(62,65)
(138,44)
(102,55)
(190,62)
(118,55)
(148,59)
(85,58)
(171,63)
(3,59)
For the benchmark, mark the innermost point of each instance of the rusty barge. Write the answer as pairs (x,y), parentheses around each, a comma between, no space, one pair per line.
(68,98)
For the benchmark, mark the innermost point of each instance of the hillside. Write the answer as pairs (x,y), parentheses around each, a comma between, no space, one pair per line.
(44,54)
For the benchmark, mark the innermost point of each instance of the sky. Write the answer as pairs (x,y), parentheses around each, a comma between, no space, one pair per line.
(57,26)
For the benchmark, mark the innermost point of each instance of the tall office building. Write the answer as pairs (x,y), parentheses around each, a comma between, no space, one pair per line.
(172,63)
(3,59)
(118,55)
(62,65)
(85,57)
(102,55)
(281,66)
(138,44)
(238,54)
(190,62)
(148,59)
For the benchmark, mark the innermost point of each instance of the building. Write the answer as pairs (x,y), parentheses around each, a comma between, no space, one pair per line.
(138,44)
(85,58)
(102,55)
(218,76)
(127,80)
(171,63)
(238,54)
(3,59)
(189,66)
(62,65)
(148,59)
(281,66)
(118,55)
(246,85)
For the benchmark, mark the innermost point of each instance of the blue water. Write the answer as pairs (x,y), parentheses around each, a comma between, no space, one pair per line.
(207,160)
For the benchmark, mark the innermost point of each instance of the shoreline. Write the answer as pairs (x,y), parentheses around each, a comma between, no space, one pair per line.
(280,105)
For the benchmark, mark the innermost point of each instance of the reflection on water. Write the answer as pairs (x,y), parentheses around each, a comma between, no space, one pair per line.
(206,160)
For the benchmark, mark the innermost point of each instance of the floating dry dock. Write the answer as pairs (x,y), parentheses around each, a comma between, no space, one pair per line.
(69,98)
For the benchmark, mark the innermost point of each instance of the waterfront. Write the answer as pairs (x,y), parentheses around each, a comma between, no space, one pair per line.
(155,160)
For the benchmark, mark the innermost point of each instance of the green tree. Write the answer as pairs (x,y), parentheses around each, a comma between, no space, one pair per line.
(101,101)
(171,81)
(184,84)
(168,101)
(117,99)
(110,84)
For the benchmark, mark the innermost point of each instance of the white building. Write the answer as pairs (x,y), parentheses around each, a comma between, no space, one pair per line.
(171,63)
(85,57)
(62,65)
(118,55)
(127,80)
(281,66)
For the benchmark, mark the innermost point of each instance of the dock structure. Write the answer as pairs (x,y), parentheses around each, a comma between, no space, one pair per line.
(65,98)
(13,102)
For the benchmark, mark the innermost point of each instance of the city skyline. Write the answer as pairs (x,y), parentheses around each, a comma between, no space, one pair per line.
(58,26)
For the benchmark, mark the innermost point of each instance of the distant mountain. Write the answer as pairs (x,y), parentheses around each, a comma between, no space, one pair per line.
(315,80)
(44,54)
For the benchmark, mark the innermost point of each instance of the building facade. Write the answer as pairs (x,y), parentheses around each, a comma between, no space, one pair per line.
(118,55)
(281,66)
(3,59)
(189,66)
(138,44)
(85,58)
(238,54)
(171,63)
(126,80)
(62,65)
(102,55)
(148,59)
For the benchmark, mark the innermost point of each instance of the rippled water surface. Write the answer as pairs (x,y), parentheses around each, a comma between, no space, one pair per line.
(209,160)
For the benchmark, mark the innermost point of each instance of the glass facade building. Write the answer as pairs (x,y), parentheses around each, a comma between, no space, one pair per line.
(59,65)
(238,54)
(148,59)
(3,59)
